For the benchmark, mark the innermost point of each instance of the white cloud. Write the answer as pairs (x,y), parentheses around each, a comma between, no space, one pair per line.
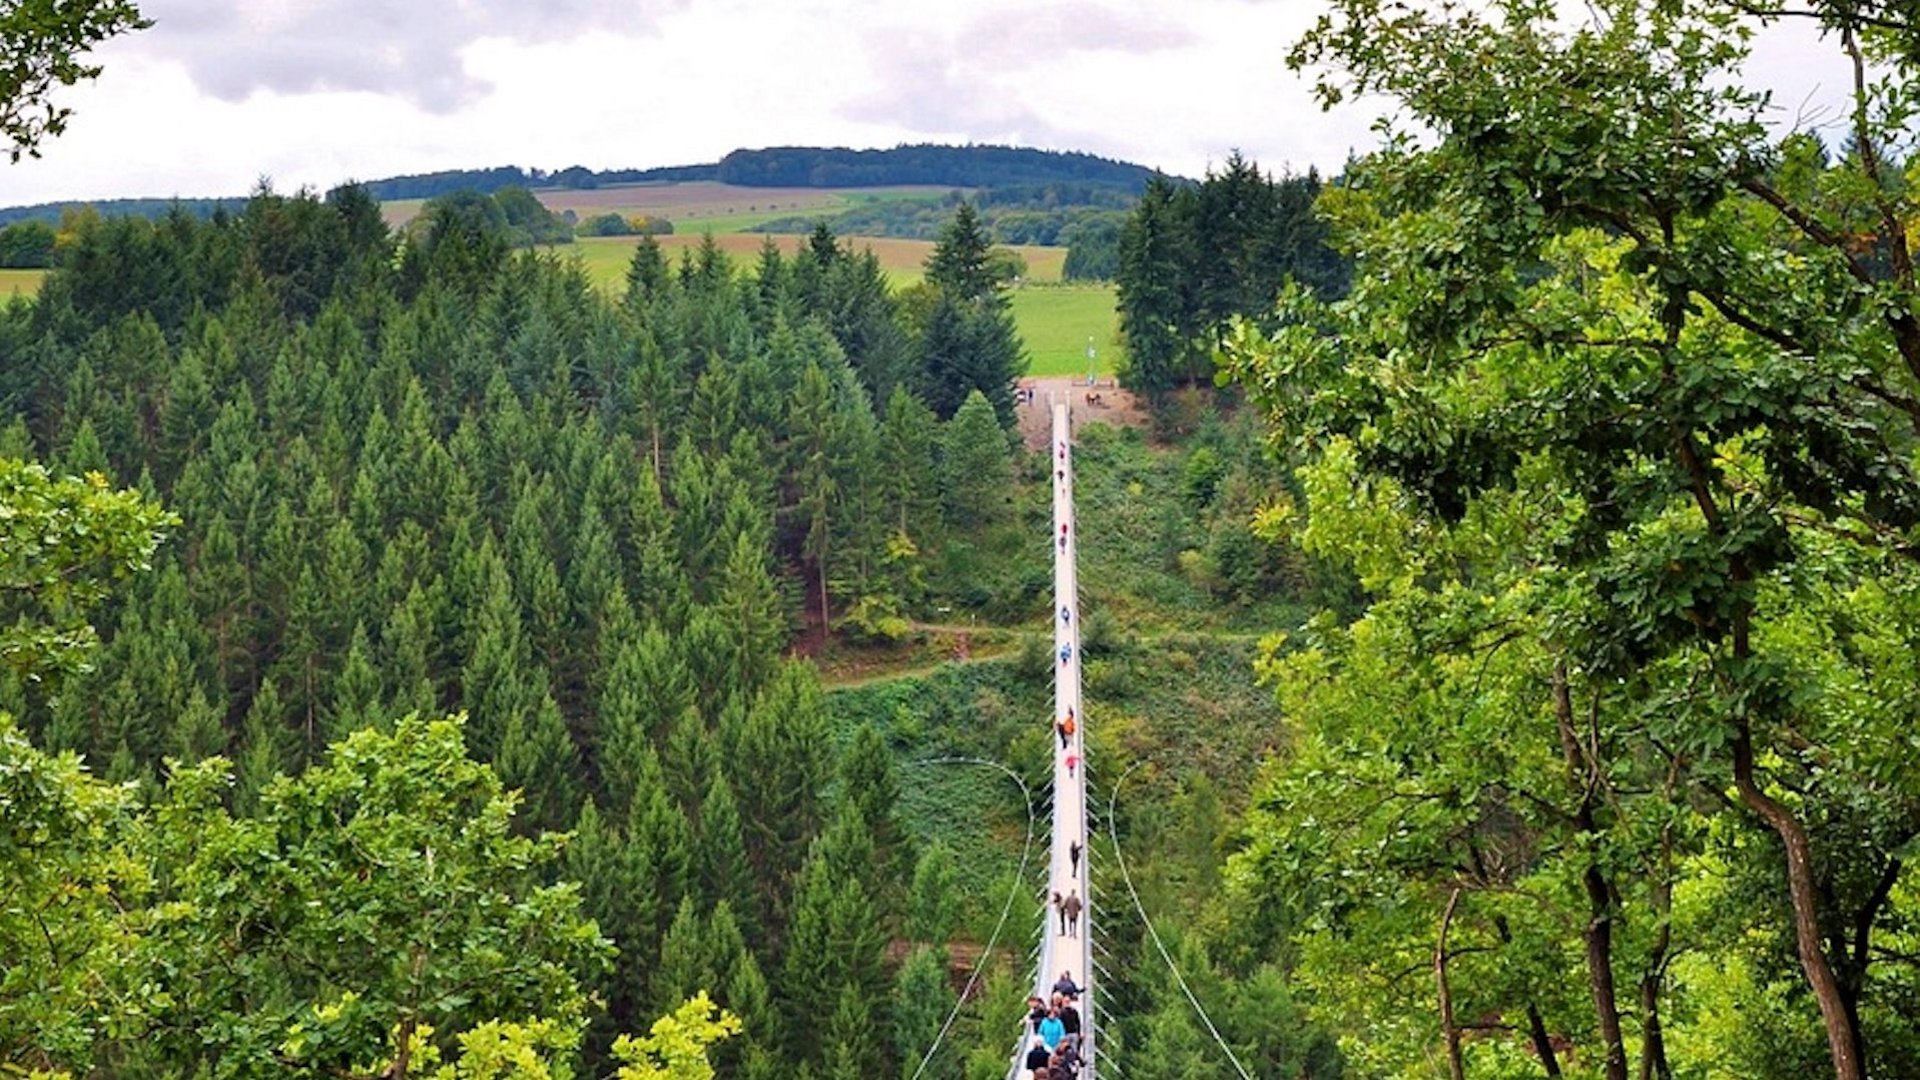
(312,92)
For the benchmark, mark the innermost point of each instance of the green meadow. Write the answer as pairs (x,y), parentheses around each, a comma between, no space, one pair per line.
(20,282)
(1057,321)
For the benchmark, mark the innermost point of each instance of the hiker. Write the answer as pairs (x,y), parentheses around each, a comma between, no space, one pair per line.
(1066,986)
(1060,906)
(1070,1020)
(1037,1056)
(1066,614)
(1072,760)
(1066,653)
(1071,908)
(1073,858)
(1036,1012)
(1051,1030)
(1066,1059)
(1066,728)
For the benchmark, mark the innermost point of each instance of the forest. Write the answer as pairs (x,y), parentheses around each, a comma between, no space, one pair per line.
(458,482)
(1500,656)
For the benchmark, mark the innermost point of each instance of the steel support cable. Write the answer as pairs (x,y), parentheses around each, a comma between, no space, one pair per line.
(1026,850)
(1113,834)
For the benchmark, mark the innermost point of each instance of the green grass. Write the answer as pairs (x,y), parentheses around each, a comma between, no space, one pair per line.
(1056,322)
(20,282)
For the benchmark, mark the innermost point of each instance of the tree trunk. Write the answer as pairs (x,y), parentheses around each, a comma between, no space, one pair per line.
(1653,1043)
(1542,1042)
(1536,1024)
(1600,908)
(1843,1038)
(1455,1065)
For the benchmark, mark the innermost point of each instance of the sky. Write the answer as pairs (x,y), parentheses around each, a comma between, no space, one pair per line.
(218,94)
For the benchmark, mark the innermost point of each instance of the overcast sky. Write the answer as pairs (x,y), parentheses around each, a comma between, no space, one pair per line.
(312,92)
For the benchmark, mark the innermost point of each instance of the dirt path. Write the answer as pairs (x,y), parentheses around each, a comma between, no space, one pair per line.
(1106,403)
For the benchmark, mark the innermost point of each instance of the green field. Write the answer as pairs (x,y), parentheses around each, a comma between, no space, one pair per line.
(20,282)
(1056,321)
(606,257)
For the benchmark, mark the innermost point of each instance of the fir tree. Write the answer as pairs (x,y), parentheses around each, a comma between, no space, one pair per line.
(538,758)
(976,467)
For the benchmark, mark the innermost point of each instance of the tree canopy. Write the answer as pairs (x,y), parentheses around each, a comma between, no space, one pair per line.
(43,45)
(1617,429)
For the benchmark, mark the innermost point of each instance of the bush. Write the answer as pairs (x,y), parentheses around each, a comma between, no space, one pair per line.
(876,620)
(607,224)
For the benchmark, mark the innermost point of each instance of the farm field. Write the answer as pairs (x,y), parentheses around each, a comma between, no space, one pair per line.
(697,206)
(20,282)
(606,257)
(1056,322)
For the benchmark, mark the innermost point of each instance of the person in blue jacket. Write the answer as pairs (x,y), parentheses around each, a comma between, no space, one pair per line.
(1052,1030)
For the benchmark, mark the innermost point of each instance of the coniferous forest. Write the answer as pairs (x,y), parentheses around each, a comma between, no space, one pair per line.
(402,481)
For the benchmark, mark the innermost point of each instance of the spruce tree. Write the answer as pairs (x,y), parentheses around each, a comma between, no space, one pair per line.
(933,903)
(976,467)
(778,763)
(539,759)
(724,873)
(871,786)
(1154,258)
(959,265)
(685,966)
(814,434)
(922,997)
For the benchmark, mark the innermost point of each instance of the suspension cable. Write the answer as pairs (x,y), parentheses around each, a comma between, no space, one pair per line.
(1020,876)
(1113,834)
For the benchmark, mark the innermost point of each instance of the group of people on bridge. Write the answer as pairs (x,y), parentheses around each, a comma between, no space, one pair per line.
(1058,1045)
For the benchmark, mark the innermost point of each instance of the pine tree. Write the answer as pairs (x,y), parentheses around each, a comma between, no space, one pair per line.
(749,607)
(959,265)
(616,891)
(1154,262)
(659,827)
(921,998)
(869,784)
(720,855)
(405,648)
(355,701)
(689,761)
(777,761)
(835,943)
(646,273)
(267,747)
(811,420)
(976,467)
(933,904)
(685,965)
(494,681)
(538,758)
(908,436)
(196,732)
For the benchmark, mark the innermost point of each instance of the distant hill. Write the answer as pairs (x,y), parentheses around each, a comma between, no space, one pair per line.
(956,166)
(779,166)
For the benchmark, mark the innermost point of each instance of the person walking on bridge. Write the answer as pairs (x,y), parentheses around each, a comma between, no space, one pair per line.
(1037,1056)
(1060,906)
(1070,907)
(1073,858)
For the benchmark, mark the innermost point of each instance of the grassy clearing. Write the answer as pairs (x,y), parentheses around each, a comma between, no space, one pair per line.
(606,257)
(1056,321)
(20,282)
